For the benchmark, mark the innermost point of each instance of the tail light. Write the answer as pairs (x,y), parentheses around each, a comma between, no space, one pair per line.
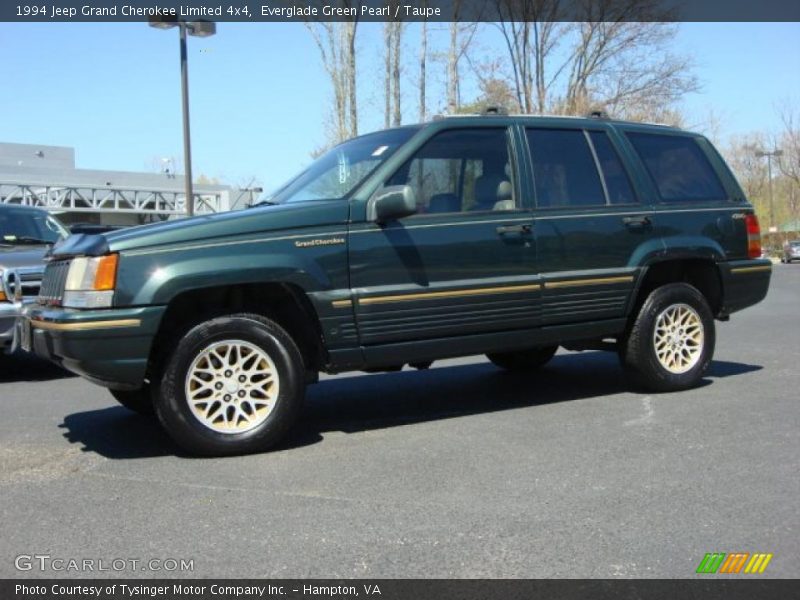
(753,236)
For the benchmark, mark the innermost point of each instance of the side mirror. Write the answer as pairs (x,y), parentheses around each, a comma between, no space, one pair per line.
(390,203)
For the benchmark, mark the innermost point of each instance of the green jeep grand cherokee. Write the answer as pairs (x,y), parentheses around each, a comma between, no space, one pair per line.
(501,235)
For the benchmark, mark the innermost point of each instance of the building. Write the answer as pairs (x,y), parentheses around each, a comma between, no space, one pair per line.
(46,176)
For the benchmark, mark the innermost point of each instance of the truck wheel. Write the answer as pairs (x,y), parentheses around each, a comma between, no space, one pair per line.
(523,360)
(233,385)
(672,340)
(139,401)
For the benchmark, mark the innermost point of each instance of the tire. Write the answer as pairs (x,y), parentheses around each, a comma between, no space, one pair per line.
(210,410)
(676,319)
(523,360)
(139,401)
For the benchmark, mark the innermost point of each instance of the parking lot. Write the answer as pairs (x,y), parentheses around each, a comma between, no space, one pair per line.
(459,471)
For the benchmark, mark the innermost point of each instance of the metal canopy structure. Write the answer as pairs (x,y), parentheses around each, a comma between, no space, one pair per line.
(87,198)
(46,177)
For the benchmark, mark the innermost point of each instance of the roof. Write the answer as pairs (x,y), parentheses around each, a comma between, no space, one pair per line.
(572,120)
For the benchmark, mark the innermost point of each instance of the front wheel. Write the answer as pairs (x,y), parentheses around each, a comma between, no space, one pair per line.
(672,340)
(523,360)
(233,385)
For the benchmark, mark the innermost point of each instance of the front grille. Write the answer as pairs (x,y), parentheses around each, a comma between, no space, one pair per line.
(31,282)
(53,283)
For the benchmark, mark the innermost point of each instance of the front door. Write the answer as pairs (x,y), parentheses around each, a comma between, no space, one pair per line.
(465,263)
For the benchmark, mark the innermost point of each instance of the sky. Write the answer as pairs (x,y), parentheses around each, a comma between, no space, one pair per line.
(259,95)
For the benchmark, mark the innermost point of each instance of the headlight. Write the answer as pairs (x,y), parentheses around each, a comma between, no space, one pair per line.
(90,282)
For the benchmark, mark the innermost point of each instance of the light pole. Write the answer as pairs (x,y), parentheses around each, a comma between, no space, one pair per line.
(770,155)
(196,29)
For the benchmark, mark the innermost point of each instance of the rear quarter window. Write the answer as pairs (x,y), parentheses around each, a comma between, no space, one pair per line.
(678,167)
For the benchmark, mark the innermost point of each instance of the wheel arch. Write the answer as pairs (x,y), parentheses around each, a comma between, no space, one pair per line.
(700,271)
(285,303)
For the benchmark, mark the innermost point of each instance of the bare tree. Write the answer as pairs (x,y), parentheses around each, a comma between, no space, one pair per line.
(397,115)
(617,56)
(452,65)
(392,40)
(750,170)
(461,36)
(423,58)
(623,64)
(495,88)
(336,42)
(531,34)
(387,73)
(789,162)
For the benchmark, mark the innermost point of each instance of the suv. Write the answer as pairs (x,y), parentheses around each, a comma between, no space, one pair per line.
(25,236)
(503,235)
(791,251)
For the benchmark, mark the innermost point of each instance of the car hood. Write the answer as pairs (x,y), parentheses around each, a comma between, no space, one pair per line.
(16,257)
(261,219)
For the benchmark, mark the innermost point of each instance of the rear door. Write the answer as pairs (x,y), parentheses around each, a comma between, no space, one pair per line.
(592,228)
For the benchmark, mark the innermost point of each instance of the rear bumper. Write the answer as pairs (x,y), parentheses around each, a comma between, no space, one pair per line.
(108,347)
(744,283)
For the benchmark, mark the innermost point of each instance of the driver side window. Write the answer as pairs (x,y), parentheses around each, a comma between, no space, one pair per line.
(461,170)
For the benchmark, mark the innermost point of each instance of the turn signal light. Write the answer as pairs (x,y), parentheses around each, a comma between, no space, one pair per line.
(106,276)
(92,273)
(753,236)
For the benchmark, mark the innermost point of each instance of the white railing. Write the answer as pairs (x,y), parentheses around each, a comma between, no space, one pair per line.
(110,199)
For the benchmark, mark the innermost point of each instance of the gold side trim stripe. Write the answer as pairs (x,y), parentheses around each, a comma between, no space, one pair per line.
(85,326)
(752,269)
(143,251)
(580,282)
(451,294)
(342,303)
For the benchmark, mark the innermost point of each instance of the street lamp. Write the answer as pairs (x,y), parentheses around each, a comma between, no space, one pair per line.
(196,29)
(776,153)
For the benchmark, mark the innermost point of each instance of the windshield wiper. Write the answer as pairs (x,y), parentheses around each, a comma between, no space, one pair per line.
(14,241)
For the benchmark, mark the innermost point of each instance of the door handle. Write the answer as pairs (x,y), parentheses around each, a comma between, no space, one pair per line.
(522,229)
(636,222)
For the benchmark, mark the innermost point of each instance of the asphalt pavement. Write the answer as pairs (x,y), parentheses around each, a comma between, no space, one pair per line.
(459,471)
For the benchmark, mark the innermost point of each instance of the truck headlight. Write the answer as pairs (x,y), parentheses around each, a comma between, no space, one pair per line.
(90,282)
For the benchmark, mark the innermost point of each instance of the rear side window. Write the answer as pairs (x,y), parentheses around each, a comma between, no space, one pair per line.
(564,170)
(678,167)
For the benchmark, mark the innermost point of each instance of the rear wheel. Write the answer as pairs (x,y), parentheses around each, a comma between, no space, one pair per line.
(672,340)
(233,385)
(523,360)
(139,401)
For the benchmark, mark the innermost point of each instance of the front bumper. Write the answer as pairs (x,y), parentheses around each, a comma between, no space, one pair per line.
(109,347)
(9,313)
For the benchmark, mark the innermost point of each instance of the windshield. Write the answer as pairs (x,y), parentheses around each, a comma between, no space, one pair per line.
(340,170)
(19,226)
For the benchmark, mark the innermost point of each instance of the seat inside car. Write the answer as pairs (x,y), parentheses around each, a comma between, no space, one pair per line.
(493,189)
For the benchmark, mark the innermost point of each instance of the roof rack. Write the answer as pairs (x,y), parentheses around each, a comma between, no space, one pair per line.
(597,113)
(494,109)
